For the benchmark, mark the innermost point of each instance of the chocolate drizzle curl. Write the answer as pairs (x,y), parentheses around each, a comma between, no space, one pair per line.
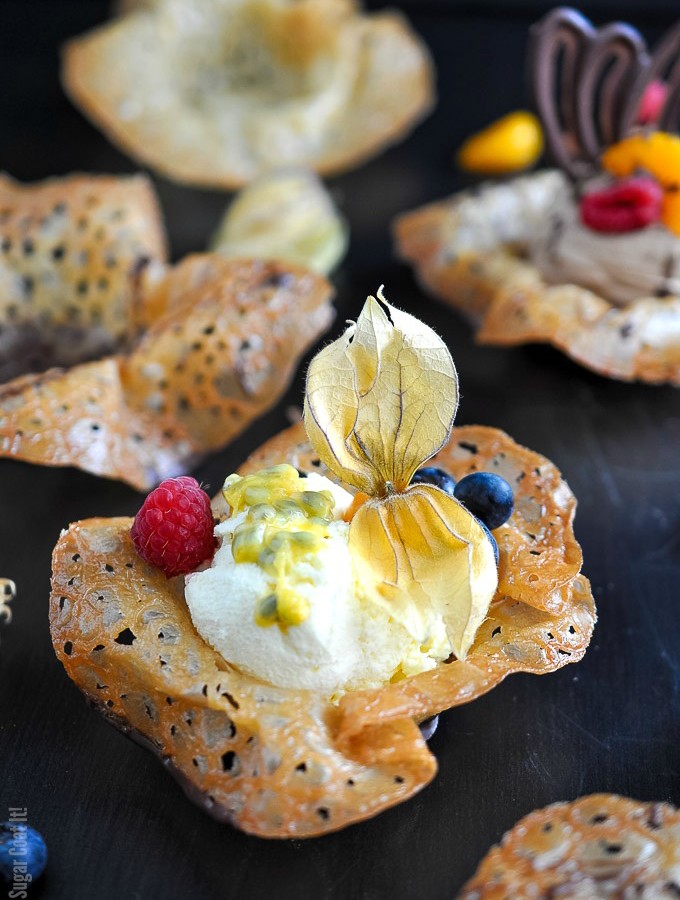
(587,84)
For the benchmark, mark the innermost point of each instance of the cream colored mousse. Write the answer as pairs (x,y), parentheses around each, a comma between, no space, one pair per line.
(281,600)
(620,267)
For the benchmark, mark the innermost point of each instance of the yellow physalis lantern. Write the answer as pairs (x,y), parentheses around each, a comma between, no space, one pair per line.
(380,401)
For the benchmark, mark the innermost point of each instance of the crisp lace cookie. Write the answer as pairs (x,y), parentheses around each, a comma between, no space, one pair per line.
(289,763)
(216,92)
(601,846)
(470,252)
(585,257)
(225,338)
(70,249)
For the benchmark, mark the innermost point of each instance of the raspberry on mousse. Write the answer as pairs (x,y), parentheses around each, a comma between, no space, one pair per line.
(173,530)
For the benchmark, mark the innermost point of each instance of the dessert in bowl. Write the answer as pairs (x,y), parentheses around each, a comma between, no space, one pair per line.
(280,659)
(218,92)
(583,256)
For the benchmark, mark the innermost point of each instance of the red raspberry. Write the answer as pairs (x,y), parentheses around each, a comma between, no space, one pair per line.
(652,103)
(626,206)
(174,528)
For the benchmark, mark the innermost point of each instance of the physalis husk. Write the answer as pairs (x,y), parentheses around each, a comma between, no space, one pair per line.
(379,402)
(289,215)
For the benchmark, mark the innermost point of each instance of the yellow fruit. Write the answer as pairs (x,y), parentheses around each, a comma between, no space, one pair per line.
(511,144)
(670,211)
(657,153)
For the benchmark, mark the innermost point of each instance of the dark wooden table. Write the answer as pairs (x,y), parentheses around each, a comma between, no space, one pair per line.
(116,825)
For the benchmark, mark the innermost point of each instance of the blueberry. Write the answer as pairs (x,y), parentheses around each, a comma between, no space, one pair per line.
(494,542)
(22,852)
(428,727)
(487,496)
(438,477)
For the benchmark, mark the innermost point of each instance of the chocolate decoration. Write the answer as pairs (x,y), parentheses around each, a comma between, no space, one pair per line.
(580,79)
(664,65)
(613,61)
(587,84)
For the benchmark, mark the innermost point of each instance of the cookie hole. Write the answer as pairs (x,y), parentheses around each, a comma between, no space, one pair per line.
(613,849)
(126,637)
(228,760)
(470,447)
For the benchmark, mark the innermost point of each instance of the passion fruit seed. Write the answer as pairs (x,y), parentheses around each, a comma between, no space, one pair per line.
(266,558)
(305,539)
(318,503)
(256,494)
(288,506)
(246,544)
(262,512)
(267,609)
(282,526)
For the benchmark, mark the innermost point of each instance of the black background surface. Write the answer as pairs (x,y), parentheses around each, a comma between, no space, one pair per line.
(115,824)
